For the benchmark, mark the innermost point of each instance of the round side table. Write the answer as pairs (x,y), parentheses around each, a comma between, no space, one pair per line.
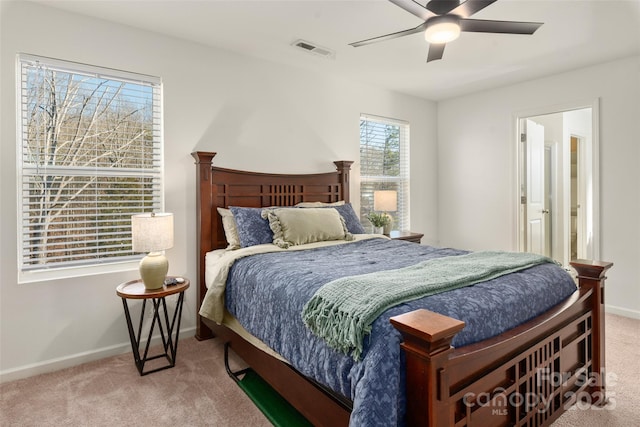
(135,289)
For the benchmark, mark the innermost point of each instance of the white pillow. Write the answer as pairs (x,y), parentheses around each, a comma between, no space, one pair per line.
(230,228)
(318,204)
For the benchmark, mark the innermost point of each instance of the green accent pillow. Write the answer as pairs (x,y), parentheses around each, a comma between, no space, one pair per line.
(299,226)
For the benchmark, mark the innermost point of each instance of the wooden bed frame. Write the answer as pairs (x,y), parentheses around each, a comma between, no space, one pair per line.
(527,376)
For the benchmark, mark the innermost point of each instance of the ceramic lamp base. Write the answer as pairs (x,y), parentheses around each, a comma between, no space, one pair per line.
(153,270)
(388,225)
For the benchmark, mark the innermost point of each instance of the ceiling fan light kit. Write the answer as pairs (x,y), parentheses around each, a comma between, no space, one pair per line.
(442,29)
(443,20)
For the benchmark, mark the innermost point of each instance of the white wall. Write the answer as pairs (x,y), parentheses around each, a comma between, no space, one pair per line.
(257,115)
(476,190)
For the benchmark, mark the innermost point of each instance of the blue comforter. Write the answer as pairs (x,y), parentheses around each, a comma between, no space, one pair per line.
(267,293)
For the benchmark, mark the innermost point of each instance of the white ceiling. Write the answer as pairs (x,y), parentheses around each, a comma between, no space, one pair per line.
(575,33)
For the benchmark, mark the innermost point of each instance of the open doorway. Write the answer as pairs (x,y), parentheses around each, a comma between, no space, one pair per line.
(558,183)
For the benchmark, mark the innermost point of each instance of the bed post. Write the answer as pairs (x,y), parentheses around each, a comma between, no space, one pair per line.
(343,167)
(591,275)
(427,343)
(205,227)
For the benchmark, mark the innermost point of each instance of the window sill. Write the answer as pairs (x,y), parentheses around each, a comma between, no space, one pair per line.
(71,272)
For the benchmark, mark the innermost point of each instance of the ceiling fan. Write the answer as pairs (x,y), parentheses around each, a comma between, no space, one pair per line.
(445,19)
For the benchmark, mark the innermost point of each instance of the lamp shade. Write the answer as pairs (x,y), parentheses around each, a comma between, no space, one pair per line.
(151,232)
(385,200)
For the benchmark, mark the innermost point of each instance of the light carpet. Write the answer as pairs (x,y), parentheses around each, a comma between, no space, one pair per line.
(110,392)
(198,392)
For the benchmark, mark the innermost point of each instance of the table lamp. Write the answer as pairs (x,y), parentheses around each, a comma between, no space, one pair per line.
(152,233)
(386,201)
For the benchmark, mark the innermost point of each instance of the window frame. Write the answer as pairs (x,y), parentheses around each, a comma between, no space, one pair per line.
(119,260)
(402,219)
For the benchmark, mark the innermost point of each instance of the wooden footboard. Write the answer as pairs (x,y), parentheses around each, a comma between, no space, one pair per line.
(527,376)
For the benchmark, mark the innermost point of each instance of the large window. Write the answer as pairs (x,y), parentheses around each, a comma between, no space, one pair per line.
(89,157)
(384,165)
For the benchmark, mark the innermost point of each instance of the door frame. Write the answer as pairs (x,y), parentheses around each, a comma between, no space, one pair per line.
(592,227)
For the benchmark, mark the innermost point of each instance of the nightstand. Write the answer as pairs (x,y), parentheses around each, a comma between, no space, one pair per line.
(169,328)
(406,235)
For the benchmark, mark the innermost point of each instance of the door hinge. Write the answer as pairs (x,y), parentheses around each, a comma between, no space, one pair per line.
(523,137)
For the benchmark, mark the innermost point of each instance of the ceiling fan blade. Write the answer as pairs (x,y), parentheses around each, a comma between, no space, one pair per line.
(435,51)
(507,27)
(469,7)
(442,7)
(391,36)
(413,8)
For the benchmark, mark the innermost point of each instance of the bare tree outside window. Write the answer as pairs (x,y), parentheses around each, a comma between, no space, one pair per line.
(90,158)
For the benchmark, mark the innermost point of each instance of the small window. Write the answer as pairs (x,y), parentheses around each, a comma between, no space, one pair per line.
(89,157)
(384,165)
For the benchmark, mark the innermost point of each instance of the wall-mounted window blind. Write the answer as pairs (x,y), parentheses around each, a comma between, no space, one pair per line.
(89,156)
(384,165)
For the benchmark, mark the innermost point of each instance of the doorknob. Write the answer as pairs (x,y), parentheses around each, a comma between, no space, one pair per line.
(545,211)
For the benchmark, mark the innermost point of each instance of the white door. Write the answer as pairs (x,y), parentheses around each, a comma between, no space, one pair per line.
(535,206)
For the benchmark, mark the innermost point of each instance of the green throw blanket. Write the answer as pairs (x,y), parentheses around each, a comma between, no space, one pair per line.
(342,311)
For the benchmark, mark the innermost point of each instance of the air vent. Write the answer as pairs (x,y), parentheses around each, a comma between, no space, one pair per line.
(314,48)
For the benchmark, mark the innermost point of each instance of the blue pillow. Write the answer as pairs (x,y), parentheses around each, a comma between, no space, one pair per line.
(350,218)
(252,228)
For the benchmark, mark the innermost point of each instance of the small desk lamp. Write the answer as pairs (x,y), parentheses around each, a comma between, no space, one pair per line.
(386,201)
(152,233)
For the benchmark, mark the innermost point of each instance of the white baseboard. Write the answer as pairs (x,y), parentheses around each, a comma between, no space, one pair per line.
(56,364)
(89,356)
(620,311)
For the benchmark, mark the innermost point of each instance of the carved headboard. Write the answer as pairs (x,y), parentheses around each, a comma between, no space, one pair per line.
(219,187)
